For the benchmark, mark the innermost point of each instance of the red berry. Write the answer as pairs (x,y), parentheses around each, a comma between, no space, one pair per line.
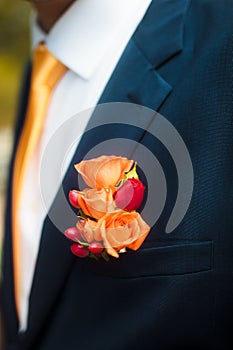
(95,248)
(73,234)
(73,198)
(79,250)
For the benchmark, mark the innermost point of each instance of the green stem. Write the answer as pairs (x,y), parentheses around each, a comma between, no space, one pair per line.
(93,256)
(105,255)
(83,243)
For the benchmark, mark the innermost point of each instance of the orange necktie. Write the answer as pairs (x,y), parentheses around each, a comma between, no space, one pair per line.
(46,73)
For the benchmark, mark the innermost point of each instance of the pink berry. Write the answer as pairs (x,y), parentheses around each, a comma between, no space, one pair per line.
(73,234)
(95,248)
(73,198)
(79,250)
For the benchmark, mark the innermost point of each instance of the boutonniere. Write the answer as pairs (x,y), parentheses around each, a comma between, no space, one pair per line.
(107,221)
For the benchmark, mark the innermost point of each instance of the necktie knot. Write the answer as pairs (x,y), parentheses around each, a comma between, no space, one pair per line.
(47,69)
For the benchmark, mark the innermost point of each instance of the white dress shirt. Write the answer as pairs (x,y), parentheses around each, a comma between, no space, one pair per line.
(89,39)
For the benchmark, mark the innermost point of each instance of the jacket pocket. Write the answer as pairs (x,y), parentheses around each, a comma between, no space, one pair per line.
(176,258)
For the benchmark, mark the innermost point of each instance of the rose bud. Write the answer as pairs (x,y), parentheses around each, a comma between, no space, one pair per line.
(79,250)
(73,198)
(95,248)
(73,234)
(130,195)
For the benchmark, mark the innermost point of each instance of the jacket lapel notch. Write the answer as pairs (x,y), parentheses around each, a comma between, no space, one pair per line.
(160,35)
(134,80)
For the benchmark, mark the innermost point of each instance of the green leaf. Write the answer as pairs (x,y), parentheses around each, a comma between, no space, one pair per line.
(132,173)
(82,215)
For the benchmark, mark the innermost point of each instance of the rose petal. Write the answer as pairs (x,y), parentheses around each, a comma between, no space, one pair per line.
(104,171)
(96,203)
(120,230)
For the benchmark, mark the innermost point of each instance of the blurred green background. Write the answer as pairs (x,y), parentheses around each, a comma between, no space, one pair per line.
(14,50)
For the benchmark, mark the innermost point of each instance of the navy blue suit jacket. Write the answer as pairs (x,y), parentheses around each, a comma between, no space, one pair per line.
(176,291)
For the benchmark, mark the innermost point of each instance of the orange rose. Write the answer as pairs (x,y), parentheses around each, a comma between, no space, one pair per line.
(104,171)
(117,230)
(96,203)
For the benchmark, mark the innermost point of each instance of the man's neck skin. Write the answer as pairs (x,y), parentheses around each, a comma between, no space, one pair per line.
(49,11)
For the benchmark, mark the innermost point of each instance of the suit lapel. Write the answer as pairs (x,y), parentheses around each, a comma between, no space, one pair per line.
(157,39)
(135,79)
(7,268)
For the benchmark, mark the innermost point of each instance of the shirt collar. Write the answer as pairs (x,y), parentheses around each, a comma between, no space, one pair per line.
(81,37)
